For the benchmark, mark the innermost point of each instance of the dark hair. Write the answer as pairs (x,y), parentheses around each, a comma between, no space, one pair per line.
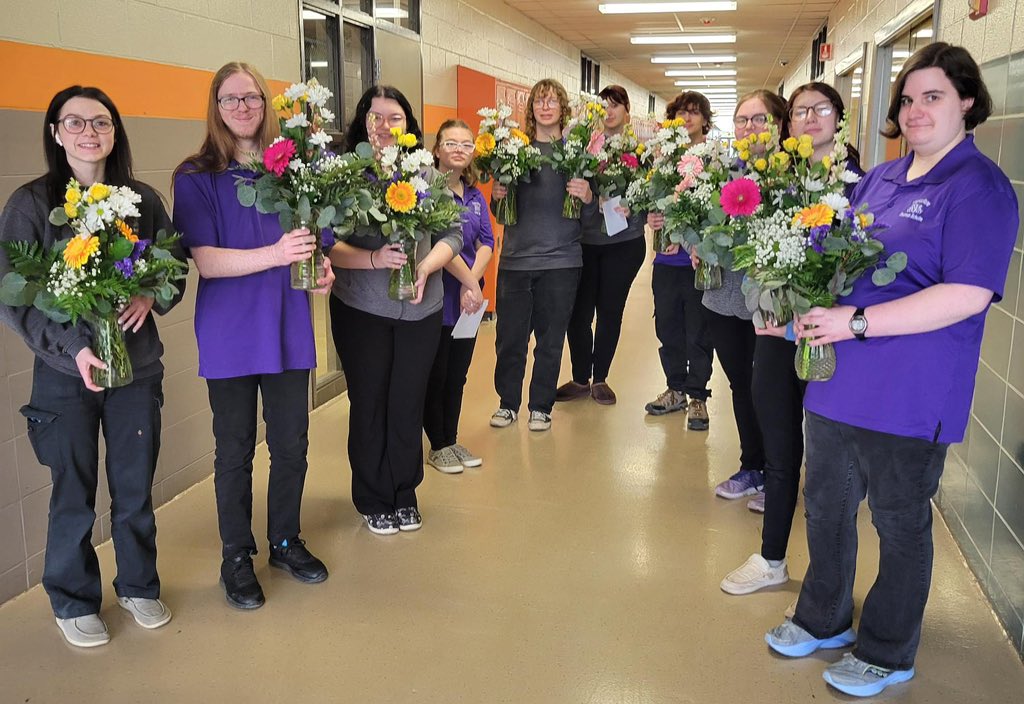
(617,94)
(117,170)
(833,97)
(356,132)
(775,103)
(690,100)
(961,70)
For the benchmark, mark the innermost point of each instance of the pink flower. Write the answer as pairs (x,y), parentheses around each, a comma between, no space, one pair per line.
(740,197)
(686,184)
(277,156)
(631,161)
(690,165)
(596,143)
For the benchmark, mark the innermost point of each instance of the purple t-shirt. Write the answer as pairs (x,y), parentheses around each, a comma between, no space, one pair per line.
(957,225)
(245,325)
(476,233)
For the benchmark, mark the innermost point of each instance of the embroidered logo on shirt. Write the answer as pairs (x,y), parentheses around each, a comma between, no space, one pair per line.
(476,208)
(915,211)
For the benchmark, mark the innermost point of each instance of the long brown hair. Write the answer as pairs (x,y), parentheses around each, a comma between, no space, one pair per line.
(470,175)
(541,88)
(218,147)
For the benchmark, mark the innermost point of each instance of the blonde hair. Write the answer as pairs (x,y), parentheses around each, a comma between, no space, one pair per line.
(218,148)
(471,174)
(543,87)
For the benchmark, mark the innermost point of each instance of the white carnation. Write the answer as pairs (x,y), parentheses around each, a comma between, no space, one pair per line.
(296,91)
(837,201)
(297,121)
(420,184)
(849,176)
(320,139)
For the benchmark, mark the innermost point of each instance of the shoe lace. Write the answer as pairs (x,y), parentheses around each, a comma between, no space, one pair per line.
(665,398)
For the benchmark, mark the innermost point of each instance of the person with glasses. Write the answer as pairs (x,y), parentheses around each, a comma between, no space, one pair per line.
(680,318)
(387,347)
(609,266)
(539,269)
(453,154)
(84,138)
(814,109)
(254,333)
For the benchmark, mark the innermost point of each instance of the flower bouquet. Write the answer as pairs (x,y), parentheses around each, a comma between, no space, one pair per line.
(664,151)
(504,153)
(94,274)
(411,199)
(307,185)
(576,154)
(619,164)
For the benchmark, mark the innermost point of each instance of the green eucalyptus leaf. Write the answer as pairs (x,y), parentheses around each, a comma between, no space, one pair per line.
(883,277)
(897,261)
(246,195)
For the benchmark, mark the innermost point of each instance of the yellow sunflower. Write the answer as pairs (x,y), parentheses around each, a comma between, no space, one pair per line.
(126,231)
(79,250)
(401,197)
(520,135)
(814,216)
(485,144)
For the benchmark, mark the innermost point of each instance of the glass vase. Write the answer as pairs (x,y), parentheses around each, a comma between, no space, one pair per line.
(572,207)
(505,209)
(661,241)
(814,363)
(402,284)
(707,277)
(777,320)
(305,272)
(109,345)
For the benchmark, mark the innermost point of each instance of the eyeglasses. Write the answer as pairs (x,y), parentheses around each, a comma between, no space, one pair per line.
(821,110)
(253,101)
(450,146)
(756,120)
(75,124)
(395,120)
(546,103)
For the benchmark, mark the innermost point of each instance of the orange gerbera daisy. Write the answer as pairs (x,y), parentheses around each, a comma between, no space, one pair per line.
(401,197)
(79,250)
(126,231)
(520,135)
(815,216)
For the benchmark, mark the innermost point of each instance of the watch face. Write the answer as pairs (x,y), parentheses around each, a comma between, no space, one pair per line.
(858,324)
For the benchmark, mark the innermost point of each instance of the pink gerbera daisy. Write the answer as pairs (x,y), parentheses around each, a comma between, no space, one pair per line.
(277,156)
(740,197)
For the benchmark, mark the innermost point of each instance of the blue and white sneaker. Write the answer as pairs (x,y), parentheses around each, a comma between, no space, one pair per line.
(744,483)
(792,641)
(860,679)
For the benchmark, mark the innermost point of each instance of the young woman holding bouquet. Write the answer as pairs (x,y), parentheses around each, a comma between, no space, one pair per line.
(453,154)
(254,332)
(609,266)
(814,109)
(680,318)
(84,138)
(539,268)
(907,355)
(387,347)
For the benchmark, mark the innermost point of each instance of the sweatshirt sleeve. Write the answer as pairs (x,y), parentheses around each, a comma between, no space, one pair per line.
(162,221)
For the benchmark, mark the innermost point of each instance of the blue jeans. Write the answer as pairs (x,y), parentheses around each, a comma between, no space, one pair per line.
(899,476)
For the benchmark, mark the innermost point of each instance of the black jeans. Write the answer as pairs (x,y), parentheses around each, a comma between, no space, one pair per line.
(286,413)
(540,301)
(443,404)
(899,476)
(779,402)
(734,341)
(681,323)
(605,279)
(387,365)
(64,422)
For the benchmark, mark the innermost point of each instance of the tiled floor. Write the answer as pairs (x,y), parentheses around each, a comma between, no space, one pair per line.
(579,566)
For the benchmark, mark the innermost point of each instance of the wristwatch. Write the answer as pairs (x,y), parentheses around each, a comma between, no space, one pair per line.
(859,324)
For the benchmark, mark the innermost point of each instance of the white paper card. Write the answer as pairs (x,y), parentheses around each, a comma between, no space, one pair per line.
(468,323)
(614,221)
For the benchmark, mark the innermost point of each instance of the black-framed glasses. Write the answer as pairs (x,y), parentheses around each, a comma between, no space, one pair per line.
(451,146)
(253,101)
(756,120)
(823,109)
(76,125)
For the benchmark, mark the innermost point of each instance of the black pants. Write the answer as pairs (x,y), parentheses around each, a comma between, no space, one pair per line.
(286,413)
(734,340)
(681,323)
(899,476)
(64,422)
(779,400)
(443,404)
(540,301)
(605,279)
(387,365)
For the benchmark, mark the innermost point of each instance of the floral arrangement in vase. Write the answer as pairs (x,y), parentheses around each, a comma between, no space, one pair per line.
(504,153)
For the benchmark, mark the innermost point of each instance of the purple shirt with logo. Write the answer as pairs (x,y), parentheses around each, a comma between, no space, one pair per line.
(957,225)
(245,325)
(476,233)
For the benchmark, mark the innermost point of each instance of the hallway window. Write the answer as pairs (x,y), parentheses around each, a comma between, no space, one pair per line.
(590,75)
(403,13)
(320,53)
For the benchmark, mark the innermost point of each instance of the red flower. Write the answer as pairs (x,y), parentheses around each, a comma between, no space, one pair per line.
(277,156)
(740,197)
(631,161)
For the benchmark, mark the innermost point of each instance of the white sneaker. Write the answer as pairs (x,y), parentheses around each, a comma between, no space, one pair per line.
(467,458)
(86,631)
(148,613)
(756,504)
(444,461)
(503,417)
(754,574)
(539,421)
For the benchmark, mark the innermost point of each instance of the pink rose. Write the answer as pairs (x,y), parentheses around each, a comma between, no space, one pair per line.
(277,156)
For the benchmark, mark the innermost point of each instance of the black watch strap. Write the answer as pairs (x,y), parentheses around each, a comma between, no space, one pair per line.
(859,313)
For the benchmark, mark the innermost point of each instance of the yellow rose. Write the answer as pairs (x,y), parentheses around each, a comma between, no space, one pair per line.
(805,150)
(781,160)
(741,144)
(98,191)
(790,144)
(407,140)
(666,123)
(72,195)
(71,209)
(745,155)
(396,132)
(764,137)
(280,103)
(805,139)
(640,149)
(760,164)
(827,162)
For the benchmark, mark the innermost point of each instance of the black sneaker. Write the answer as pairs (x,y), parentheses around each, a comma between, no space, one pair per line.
(241,587)
(409,518)
(381,523)
(293,557)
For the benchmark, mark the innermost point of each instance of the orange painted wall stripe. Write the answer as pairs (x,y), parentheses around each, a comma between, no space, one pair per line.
(434,116)
(33,74)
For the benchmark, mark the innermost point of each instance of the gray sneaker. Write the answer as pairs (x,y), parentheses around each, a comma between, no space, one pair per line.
(467,458)
(148,613)
(860,679)
(86,631)
(444,461)
(539,421)
(668,401)
(503,417)
(792,641)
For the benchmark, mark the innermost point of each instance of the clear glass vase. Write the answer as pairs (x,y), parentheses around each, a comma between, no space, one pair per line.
(814,363)
(707,277)
(777,320)
(306,271)
(402,284)
(505,209)
(108,343)
(661,241)
(572,207)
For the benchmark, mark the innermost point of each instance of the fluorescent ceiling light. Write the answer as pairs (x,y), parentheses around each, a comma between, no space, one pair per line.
(926,33)
(695,59)
(859,69)
(700,72)
(723,82)
(390,13)
(318,64)
(639,8)
(312,15)
(901,54)
(684,39)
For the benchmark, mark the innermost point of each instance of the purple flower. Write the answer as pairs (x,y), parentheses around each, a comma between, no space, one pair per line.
(816,238)
(126,267)
(138,249)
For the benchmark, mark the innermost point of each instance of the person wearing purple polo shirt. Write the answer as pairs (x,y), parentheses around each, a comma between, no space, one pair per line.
(254,333)
(906,358)
(453,153)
